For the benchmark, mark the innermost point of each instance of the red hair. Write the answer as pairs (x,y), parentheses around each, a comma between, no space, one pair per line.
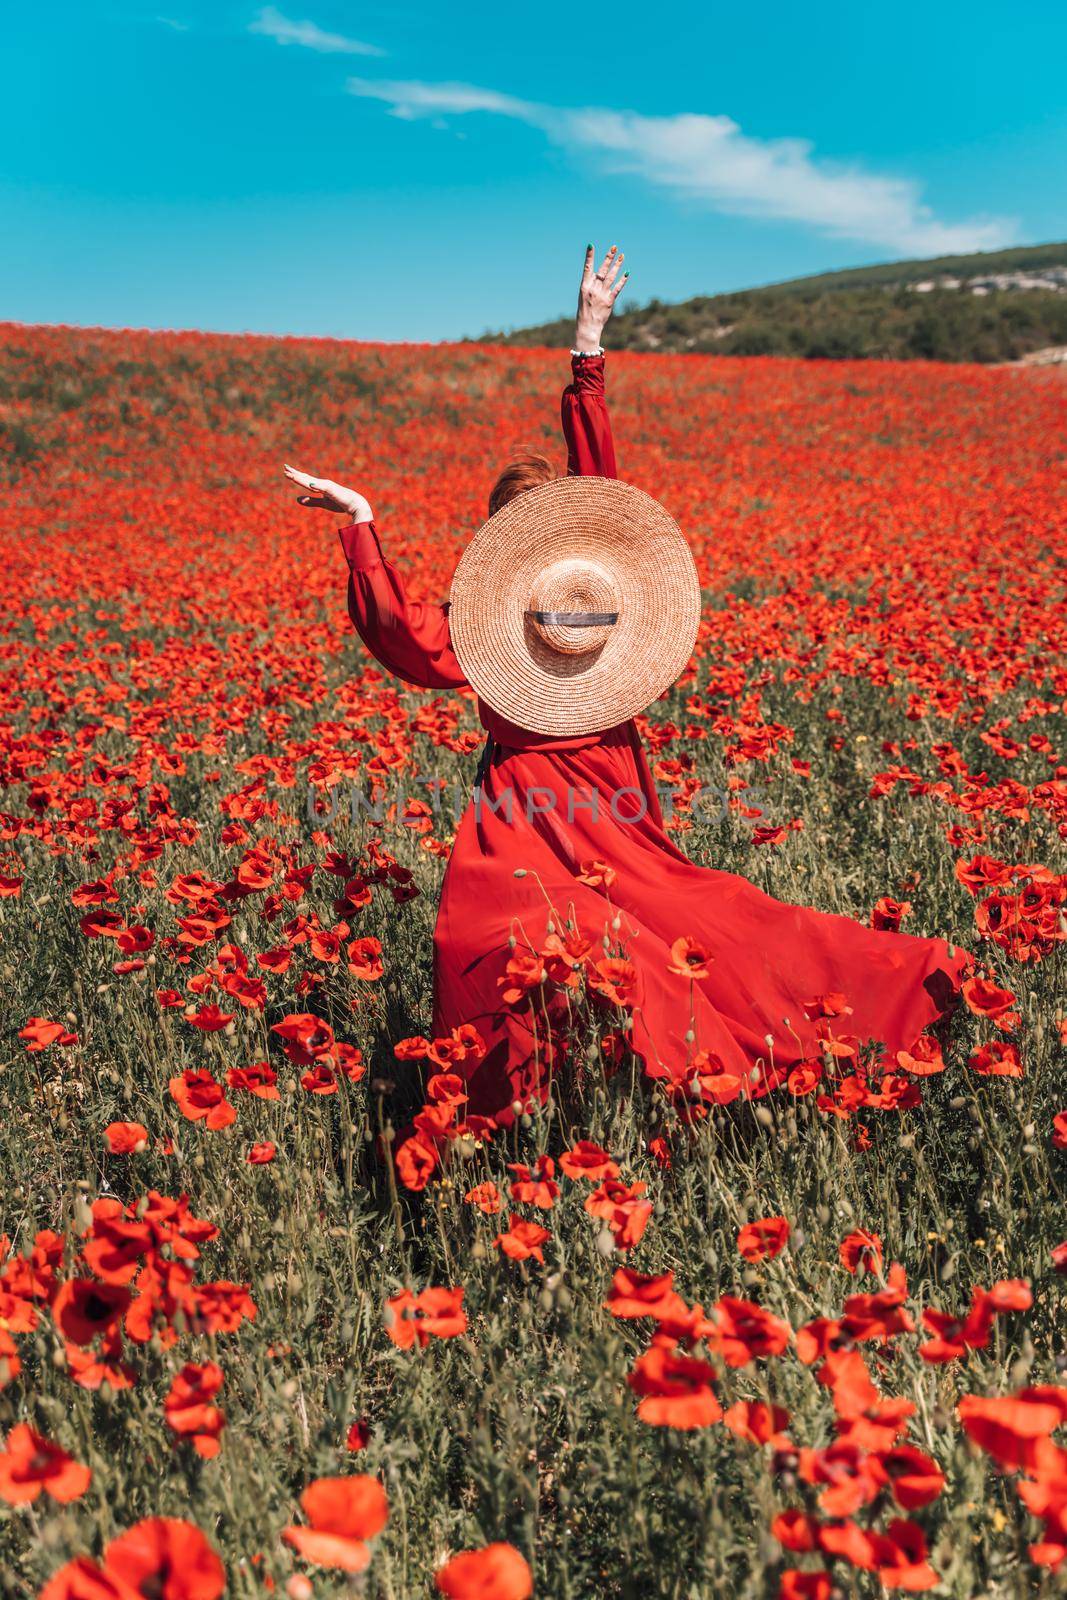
(525,472)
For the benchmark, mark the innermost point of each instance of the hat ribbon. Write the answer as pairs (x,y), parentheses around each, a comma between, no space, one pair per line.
(574,619)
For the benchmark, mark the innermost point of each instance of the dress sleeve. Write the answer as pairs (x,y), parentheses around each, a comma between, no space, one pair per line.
(586,425)
(410,639)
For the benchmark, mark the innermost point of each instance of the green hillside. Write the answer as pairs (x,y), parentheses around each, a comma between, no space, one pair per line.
(991,306)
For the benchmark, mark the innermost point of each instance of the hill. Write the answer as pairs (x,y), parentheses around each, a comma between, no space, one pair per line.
(992,306)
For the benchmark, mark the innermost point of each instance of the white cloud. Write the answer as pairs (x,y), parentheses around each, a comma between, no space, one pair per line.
(709,159)
(430,99)
(283,30)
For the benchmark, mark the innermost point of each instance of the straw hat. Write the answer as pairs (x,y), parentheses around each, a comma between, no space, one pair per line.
(575,606)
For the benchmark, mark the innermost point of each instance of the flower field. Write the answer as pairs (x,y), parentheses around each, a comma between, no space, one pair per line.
(276,1316)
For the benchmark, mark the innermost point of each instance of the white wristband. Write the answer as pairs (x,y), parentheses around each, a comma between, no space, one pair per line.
(599,351)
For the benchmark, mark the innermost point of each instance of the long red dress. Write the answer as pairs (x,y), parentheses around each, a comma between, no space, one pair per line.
(770,961)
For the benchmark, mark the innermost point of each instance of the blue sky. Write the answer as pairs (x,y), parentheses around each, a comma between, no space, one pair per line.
(430,170)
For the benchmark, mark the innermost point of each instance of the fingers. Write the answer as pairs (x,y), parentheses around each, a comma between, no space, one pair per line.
(608,259)
(312,502)
(587,267)
(615,265)
(301,478)
(619,287)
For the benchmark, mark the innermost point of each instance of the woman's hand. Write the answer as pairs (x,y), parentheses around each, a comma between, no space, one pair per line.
(329,496)
(597,296)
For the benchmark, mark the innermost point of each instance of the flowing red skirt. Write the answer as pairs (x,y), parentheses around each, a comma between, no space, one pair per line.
(770,960)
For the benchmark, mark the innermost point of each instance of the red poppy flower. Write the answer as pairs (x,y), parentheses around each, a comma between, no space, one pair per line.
(306,1038)
(82,1309)
(30,1464)
(998,1059)
(343,1514)
(10,1361)
(201,1099)
(1012,1429)
(880,1315)
(260,1079)
(82,1579)
(915,1478)
(416,1161)
(435,1313)
(624,1210)
(587,1160)
(889,914)
(523,972)
(745,1332)
(763,1240)
(259,1155)
(411,1049)
(39,1034)
(759,1422)
(537,1188)
(522,1240)
(123,1138)
(89,1369)
(805,1079)
(358,1436)
(794,1530)
(615,979)
(319,1079)
(924,1059)
(676,1391)
(209,1019)
(166,1558)
(900,1558)
(188,1409)
(222,1307)
(796,1585)
(486,1196)
(496,1572)
(690,959)
(597,874)
(861,1250)
(635,1295)
(985,999)
(365,959)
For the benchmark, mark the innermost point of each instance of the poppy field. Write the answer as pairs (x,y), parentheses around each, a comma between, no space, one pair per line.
(277,1316)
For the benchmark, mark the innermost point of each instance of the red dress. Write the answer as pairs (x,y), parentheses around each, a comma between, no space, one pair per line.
(769,960)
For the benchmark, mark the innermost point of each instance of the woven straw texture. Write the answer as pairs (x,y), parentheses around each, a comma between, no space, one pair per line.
(583,545)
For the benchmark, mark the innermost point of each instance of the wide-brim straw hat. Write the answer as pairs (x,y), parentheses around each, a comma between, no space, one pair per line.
(575,606)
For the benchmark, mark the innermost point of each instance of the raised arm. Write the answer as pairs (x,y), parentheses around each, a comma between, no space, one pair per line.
(408,637)
(584,410)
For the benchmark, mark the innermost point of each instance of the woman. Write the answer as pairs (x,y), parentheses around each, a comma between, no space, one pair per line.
(728,989)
